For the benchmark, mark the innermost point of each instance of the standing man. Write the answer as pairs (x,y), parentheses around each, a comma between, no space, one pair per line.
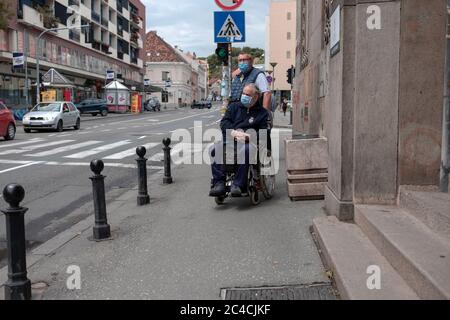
(247,74)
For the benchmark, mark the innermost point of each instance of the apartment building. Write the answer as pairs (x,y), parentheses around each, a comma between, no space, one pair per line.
(113,41)
(281,43)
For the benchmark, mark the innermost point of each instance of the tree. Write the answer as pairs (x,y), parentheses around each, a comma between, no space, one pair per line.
(5,14)
(215,65)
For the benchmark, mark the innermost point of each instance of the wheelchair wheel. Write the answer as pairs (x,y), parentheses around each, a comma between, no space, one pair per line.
(255,198)
(220,200)
(268,186)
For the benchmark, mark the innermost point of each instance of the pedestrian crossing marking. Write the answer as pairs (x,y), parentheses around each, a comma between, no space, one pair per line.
(34,147)
(84,154)
(14,144)
(130,152)
(63,149)
(230,29)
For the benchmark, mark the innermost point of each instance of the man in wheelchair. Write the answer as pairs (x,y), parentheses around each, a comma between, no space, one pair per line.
(241,122)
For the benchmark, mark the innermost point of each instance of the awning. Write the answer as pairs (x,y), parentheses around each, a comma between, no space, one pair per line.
(151,88)
(54,79)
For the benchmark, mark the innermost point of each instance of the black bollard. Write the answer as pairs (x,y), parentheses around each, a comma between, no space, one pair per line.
(18,286)
(143,198)
(101,228)
(167,174)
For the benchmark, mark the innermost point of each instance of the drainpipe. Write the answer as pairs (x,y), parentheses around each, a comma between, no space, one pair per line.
(445,165)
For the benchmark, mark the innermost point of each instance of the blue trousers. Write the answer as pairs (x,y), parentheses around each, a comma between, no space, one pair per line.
(245,152)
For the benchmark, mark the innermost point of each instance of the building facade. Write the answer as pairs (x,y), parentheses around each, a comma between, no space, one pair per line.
(180,74)
(113,41)
(357,86)
(281,43)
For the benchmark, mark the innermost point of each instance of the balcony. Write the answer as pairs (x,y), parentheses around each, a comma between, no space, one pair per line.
(95,16)
(105,22)
(74,35)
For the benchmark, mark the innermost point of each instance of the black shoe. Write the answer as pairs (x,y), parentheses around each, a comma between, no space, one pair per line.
(218,190)
(236,191)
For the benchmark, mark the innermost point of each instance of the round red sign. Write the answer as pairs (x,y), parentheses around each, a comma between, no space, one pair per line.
(229,4)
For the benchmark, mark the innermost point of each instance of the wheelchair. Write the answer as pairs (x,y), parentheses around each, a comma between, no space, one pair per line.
(260,179)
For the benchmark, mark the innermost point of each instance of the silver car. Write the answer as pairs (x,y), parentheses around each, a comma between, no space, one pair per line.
(52,115)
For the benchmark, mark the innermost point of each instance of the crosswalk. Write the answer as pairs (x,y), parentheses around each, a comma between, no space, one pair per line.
(115,153)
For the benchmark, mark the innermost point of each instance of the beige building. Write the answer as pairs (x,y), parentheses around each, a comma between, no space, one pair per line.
(368,116)
(182,76)
(281,42)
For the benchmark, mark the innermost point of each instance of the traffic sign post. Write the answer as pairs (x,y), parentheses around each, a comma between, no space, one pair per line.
(229,4)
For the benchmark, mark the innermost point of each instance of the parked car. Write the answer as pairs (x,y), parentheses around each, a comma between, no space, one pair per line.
(52,115)
(93,106)
(7,123)
(152,104)
(201,105)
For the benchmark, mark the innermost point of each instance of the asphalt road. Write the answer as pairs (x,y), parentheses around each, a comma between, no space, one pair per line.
(54,167)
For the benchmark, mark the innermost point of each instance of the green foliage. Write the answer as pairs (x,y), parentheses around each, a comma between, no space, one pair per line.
(5,14)
(215,65)
(49,19)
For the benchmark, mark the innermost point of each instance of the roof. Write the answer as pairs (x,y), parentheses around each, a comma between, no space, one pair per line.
(158,50)
(116,85)
(54,79)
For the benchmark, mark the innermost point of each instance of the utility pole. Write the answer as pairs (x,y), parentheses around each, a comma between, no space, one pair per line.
(26,50)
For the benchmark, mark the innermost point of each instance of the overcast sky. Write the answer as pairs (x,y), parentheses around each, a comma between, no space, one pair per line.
(190,23)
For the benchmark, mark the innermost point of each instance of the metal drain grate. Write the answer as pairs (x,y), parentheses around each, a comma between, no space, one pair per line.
(301,292)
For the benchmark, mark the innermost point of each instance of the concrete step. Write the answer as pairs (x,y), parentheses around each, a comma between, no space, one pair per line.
(420,256)
(429,206)
(349,254)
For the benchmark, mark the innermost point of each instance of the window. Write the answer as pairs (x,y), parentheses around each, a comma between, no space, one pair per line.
(288,36)
(288,54)
(289,16)
(165,75)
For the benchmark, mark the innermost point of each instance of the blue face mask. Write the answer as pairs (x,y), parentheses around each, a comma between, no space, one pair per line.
(243,66)
(246,100)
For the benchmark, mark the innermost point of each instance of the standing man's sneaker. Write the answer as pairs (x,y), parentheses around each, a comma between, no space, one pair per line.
(236,191)
(218,190)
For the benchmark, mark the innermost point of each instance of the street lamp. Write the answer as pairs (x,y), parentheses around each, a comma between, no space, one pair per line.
(273,64)
(38,54)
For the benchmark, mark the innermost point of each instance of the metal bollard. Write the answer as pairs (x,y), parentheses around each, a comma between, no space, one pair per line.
(167,174)
(143,198)
(18,286)
(101,228)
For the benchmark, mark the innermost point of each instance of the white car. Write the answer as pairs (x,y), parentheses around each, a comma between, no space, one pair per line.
(52,115)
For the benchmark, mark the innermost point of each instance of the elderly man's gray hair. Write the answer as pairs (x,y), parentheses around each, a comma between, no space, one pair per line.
(253,87)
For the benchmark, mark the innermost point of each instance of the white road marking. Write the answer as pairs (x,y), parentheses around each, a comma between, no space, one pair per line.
(34,147)
(14,144)
(63,149)
(86,164)
(143,137)
(129,152)
(14,161)
(107,130)
(153,120)
(20,167)
(91,152)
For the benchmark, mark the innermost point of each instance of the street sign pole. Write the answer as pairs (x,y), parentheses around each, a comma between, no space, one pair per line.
(230,76)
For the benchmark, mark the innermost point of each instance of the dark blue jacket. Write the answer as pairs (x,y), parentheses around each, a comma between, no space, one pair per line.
(240,117)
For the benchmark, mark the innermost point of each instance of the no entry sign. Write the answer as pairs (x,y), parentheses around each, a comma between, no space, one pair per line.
(229,4)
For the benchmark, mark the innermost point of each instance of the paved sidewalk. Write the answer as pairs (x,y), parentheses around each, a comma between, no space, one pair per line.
(183,246)
(281,121)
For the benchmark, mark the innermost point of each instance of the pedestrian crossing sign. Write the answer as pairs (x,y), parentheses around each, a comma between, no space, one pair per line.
(229,26)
